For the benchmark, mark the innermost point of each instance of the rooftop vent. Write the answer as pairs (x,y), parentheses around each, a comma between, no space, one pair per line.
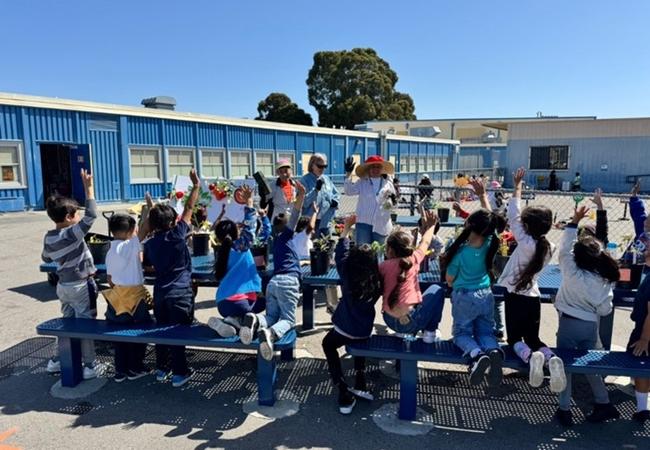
(160,102)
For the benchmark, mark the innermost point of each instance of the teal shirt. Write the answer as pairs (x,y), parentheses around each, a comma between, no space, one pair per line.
(468,267)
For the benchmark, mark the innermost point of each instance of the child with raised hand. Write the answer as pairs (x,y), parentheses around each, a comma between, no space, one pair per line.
(354,317)
(168,253)
(65,245)
(585,295)
(236,272)
(127,299)
(522,299)
(468,262)
(283,290)
(304,231)
(405,309)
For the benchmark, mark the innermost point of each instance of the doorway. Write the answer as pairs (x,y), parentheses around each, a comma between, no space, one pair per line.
(60,166)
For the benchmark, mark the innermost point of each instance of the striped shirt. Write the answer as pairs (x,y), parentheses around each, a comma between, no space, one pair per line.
(68,249)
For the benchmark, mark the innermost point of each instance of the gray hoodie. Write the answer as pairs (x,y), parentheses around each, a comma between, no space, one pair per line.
(582,294)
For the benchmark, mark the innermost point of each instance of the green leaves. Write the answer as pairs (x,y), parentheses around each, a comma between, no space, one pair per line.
(278,107)
(352,87)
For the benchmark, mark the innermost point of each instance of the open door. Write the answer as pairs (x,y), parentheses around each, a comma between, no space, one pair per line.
(79,159)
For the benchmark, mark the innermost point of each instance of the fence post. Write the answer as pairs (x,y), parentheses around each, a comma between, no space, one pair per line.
(412,204)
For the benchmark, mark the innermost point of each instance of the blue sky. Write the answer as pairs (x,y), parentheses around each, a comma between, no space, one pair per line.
(455,58)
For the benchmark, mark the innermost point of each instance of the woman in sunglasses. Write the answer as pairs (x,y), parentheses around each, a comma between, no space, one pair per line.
(320,190)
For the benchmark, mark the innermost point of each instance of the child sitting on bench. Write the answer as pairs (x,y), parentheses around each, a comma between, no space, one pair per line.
(283,291)
(168,253)
(65,245)
(236,272)
(585,295)
(468,263)
(127,299)
(354,317)
(405,309)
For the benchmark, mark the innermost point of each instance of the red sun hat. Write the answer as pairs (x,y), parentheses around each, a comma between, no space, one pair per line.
(386,166)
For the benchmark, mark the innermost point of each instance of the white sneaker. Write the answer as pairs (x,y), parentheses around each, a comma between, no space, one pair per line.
(558,377)
(536,371)
(89,373)
(429,337)
(266,343)
(249,328)
(222,328)
(53,366)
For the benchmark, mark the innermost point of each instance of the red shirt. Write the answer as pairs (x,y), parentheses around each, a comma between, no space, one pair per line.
(287,189)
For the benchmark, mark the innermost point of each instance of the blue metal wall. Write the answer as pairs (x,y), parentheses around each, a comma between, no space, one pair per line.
(622,157)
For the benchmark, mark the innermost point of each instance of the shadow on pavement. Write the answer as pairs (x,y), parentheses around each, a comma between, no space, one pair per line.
(208,410)
(42,291)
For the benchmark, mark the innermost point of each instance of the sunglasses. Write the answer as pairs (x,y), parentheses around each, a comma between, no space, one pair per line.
(321,166)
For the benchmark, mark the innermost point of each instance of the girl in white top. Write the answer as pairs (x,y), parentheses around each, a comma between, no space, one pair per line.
(304,232)
(522,299)
(377,197)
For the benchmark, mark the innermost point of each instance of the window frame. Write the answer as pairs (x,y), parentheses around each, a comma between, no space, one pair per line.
(550,166)
(190,150)
(224,163)
(250,162)
(135,180)
(20,171)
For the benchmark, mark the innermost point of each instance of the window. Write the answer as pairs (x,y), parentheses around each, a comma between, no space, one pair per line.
(422,164)
(403,164)
(264,164)
(431,163)
(240,164)
(145,165)
(212,164)
(290,156)
(11,164)
(180,162)
(549,157)
(413,161)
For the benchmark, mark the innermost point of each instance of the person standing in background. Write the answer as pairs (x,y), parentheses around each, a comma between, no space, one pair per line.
(320,190)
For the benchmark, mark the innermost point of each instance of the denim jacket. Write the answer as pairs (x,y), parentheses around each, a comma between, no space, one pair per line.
(323,199)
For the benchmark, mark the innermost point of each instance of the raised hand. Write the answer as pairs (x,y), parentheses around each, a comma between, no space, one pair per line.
(196,182)
(456,207)
(478,185)
(86,179)
(247,194)
(636,188)
(319,184)
(350,220)
(579,214)
(598,199)
(429,219)
(519,175)
(148,200)
(349,164)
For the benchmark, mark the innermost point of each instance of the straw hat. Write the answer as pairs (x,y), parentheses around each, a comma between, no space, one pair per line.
(386,167)
(282,163)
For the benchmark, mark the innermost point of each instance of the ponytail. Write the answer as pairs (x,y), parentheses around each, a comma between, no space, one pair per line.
(537,221)
(405,265)
(400,242)
(536,264)
(226,232)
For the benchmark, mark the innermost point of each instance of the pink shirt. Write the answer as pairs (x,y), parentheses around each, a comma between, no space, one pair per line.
(410,291)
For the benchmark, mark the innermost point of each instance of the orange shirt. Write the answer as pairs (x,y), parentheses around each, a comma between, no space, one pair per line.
(287,188)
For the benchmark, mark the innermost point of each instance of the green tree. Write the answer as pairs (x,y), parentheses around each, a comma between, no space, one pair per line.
(278,107)
(351,87)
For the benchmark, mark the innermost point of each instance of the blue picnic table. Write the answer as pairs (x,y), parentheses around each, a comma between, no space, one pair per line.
(412,221)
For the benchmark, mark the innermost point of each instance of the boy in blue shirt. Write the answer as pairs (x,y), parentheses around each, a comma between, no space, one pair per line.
(283,290)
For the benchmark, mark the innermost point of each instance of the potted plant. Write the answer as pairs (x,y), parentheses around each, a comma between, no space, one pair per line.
(320,256)
(201,239)
(379,250)
(98,244)
(501,258)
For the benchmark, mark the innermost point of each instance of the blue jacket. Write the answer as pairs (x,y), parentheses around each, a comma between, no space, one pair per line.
(639,216)
(355,317)
(241,276)
(323,199)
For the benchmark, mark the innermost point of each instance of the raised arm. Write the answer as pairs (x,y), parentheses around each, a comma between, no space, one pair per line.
(479,190)
(350,187)
(569,237)
(637,210)
(514,208)
(80,229)
(429,221)
(194,196)
(343,245)
(144,228)
(601,217)
(247,234)
(297,206)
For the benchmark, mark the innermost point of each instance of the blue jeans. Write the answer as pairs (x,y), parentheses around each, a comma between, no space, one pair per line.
(423,316)
(282,296)
(365,235)
(473,313)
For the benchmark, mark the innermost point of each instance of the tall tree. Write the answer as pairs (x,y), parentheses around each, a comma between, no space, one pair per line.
(351,87)
(278,107)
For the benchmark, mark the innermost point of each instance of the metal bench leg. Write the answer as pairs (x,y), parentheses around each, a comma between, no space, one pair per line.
(307,307)
(287,354)
(408,382)
(606,327)
(70,357)
(266,373)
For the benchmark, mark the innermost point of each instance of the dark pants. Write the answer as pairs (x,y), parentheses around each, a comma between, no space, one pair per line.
(240,308)
(129,357)
(522,320)
(331,343)
(175,307)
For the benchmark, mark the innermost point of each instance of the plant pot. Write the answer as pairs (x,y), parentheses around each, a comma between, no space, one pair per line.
(261,256)
(443,214)
(320,262)
(393,217)
(98,249)
(200,244)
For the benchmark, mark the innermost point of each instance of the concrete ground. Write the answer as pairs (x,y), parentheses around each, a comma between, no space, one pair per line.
(209,411)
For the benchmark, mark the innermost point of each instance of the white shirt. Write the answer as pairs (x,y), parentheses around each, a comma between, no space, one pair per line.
(373,194)
(123,262)
(522,255)
(303,244)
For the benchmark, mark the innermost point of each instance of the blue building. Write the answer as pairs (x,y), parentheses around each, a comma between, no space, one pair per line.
(131,150)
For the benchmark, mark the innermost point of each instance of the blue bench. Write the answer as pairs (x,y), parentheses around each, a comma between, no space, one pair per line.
(395,348)
(70,332)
